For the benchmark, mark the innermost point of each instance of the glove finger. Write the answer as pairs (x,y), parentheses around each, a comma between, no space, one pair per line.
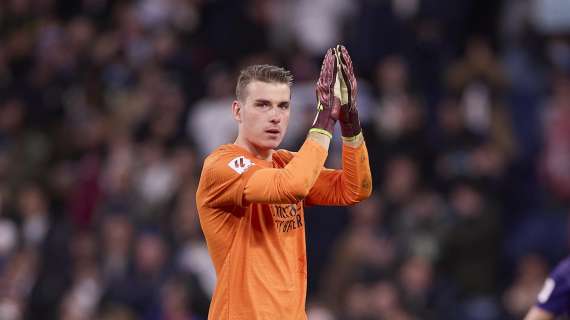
(322,82)
(344,67)
(345,57)
(345,74)
(334,70)
(324,68)
(329,69)
(348,73)
(327,79)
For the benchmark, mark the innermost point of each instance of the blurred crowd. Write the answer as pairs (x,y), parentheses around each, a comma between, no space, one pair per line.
(108,107)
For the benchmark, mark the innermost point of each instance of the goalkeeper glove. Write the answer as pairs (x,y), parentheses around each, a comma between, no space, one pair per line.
(348,117)
(328,104)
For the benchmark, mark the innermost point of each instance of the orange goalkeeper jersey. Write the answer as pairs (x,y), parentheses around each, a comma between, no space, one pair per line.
(251,213)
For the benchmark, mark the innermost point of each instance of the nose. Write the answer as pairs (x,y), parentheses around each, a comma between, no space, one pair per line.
(275,116)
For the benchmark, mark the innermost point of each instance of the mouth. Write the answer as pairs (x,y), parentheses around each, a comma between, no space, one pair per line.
(273,131)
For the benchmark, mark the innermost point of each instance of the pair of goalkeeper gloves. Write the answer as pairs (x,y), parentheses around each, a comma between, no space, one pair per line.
(336,95)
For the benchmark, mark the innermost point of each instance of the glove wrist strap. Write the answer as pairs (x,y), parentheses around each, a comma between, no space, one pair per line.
(349,124)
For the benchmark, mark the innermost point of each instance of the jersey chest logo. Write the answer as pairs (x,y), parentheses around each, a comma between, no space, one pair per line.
(240,164)
(287,217)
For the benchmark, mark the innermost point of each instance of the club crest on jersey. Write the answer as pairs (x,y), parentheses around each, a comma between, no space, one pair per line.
(240,164)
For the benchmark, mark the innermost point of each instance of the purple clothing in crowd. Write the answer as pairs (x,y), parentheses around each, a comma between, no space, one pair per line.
(555,295)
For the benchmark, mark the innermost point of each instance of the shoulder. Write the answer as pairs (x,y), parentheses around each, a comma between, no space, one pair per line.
(562,270)
(221,153)
(227,158)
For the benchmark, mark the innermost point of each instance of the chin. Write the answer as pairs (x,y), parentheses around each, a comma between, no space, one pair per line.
(273,145)
(270,144)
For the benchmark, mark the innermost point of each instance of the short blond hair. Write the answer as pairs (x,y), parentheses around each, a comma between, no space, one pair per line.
(263,73)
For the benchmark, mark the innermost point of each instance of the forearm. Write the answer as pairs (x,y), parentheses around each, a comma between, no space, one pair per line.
(348,186)
(292,183)
(356,176)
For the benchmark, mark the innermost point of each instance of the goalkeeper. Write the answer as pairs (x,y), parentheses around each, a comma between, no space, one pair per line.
(250,197)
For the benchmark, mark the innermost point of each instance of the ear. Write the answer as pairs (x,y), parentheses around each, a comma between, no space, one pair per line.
(236,110)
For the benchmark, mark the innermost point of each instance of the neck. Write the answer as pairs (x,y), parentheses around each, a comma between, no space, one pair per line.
(259,153)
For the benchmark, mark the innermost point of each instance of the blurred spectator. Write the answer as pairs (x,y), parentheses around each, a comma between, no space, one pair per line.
(386,302)
(551,16)
(470,255)
(521,295)
(212,110)
(556,128)
(34,213)
(9,233)
(18,278)
(423,223)
(139,288)
(319,312)
(480,83)
(362,254)
(398,124)
(116,313)
(174,303)
(193,255)
(116,244)
(316,35)
(416,276)
(402,182)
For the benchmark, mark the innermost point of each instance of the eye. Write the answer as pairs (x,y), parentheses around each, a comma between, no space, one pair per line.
(284,106)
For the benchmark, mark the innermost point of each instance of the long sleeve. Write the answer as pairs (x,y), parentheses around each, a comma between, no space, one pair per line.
(348,186)
(290,184)
(231,177)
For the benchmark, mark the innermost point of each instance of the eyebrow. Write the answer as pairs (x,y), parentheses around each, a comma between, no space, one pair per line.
(269,102)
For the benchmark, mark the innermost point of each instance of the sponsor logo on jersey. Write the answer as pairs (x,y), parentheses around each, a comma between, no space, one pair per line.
(240,164)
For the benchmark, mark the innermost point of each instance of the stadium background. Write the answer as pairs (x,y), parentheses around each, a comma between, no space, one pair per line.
(107,109)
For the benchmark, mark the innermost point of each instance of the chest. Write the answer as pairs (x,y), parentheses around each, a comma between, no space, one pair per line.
(279,219)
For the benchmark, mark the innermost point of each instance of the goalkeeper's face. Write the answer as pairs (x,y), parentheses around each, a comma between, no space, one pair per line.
(263,116)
